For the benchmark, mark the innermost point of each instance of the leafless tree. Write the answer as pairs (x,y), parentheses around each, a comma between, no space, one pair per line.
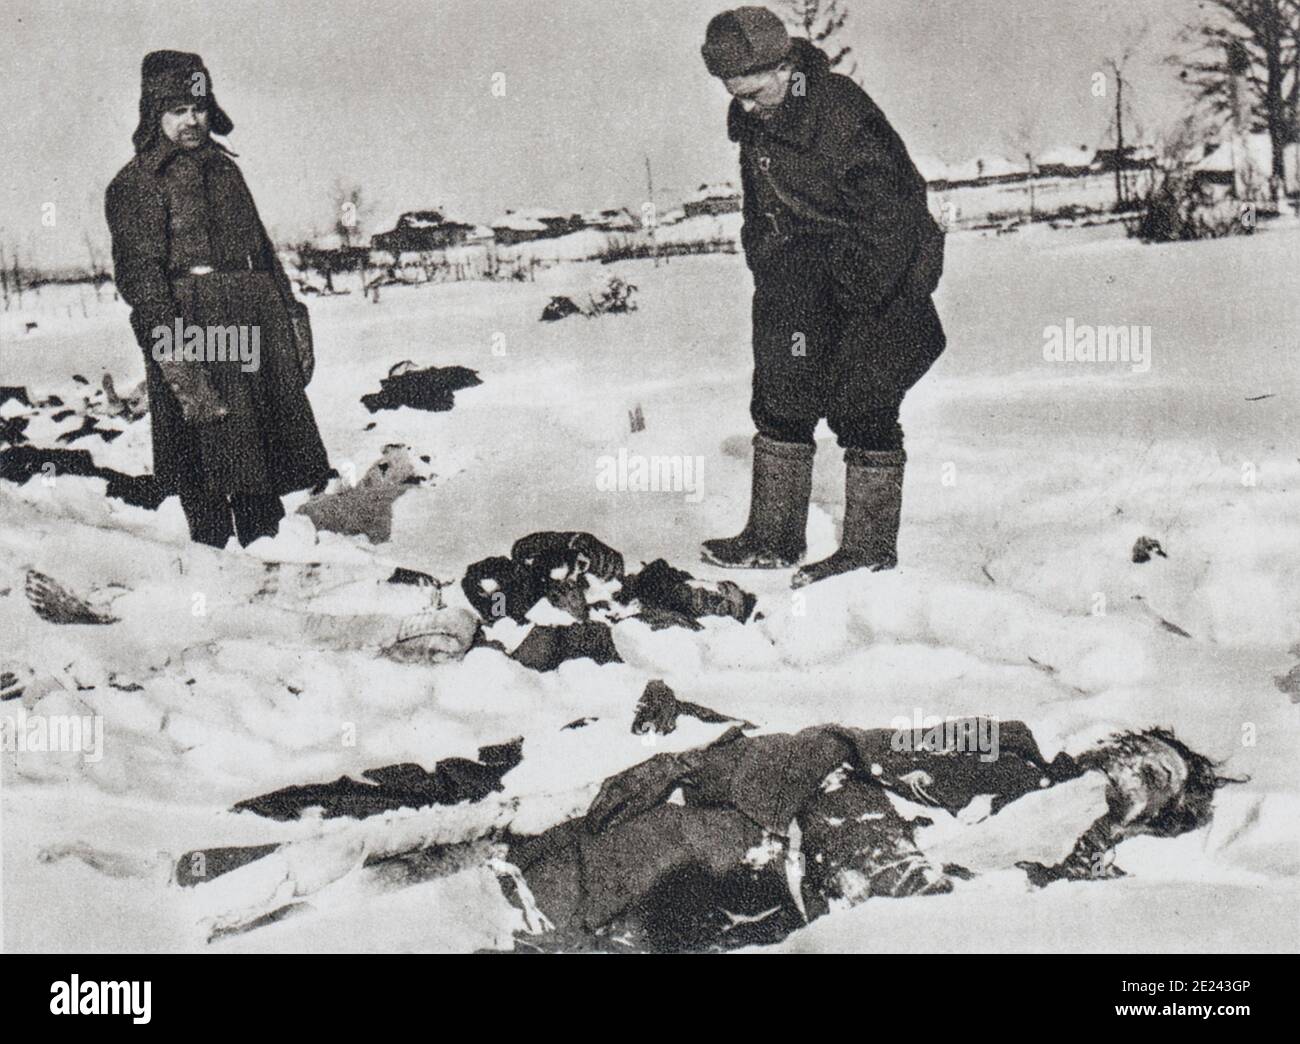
(11,275)
(1026,144)
(346,199)
(821,21)
(1260,38)
(98,267)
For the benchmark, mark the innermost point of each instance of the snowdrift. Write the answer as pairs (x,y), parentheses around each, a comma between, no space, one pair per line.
(231,674)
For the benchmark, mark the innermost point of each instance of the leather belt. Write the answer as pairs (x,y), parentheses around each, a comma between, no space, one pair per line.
(203,270)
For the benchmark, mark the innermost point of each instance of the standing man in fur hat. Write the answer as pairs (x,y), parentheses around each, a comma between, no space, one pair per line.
(232,432)
(845,257)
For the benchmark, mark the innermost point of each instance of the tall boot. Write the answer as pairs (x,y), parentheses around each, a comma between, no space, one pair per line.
(775,535)
(873,500)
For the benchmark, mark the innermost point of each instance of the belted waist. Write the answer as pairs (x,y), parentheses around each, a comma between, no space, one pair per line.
(248,265)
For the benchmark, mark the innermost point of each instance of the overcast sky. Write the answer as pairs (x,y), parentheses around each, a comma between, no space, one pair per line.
(398,96)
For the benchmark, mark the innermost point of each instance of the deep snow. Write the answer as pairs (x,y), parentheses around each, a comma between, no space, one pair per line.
(1028,483)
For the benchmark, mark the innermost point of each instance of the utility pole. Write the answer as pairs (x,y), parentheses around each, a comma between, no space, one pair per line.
(1033,175)
(653,215)
(1120,201)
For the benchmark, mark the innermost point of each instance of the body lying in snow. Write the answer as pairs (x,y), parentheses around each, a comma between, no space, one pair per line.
(749,838)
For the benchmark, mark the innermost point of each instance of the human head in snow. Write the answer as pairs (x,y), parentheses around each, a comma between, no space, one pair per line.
(1158,785)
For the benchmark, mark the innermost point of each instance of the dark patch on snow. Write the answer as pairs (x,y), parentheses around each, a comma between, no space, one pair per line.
(659,708)
(202,865)
(546,647)
(20,463)
(54,603)
(402,575)
(90,427)
(275,916)
(11,430)
(558,567)
(559,307)
(452,781)
(580,723)
(14,391)
(1145,547)
(430,389)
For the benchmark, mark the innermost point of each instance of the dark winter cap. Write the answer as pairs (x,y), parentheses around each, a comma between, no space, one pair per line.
(744,41)
(169,79)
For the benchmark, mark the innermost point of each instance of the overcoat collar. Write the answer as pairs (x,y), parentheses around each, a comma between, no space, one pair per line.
(166,150)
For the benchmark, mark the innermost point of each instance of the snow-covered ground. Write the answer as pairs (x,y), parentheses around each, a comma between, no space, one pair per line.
(1028,483)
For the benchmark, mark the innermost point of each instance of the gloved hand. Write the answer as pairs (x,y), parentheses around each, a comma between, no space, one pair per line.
(199,402)
(302,341)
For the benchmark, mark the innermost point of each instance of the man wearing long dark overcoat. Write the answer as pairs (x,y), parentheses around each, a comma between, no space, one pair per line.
(232,430)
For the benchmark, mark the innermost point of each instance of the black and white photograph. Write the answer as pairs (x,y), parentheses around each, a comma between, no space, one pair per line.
(650,477)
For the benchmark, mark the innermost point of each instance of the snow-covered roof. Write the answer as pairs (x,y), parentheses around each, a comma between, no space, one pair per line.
(1259,153)
(1067,156)
(538,214)
(416,220)
(517,222)
(618,219)
(999,166)
(983,167)
(718,190)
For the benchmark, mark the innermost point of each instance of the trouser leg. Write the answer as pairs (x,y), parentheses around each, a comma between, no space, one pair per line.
(794,344)
(256,515)
(877,360)
(208,515)
(870,427)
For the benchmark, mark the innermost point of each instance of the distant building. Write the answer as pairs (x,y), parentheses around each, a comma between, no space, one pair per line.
(521,226)
(721,198)
(1135,157)
(420,230)
(611,219)
(1066,162)
(982,170)
(1246,166)
(512,228)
